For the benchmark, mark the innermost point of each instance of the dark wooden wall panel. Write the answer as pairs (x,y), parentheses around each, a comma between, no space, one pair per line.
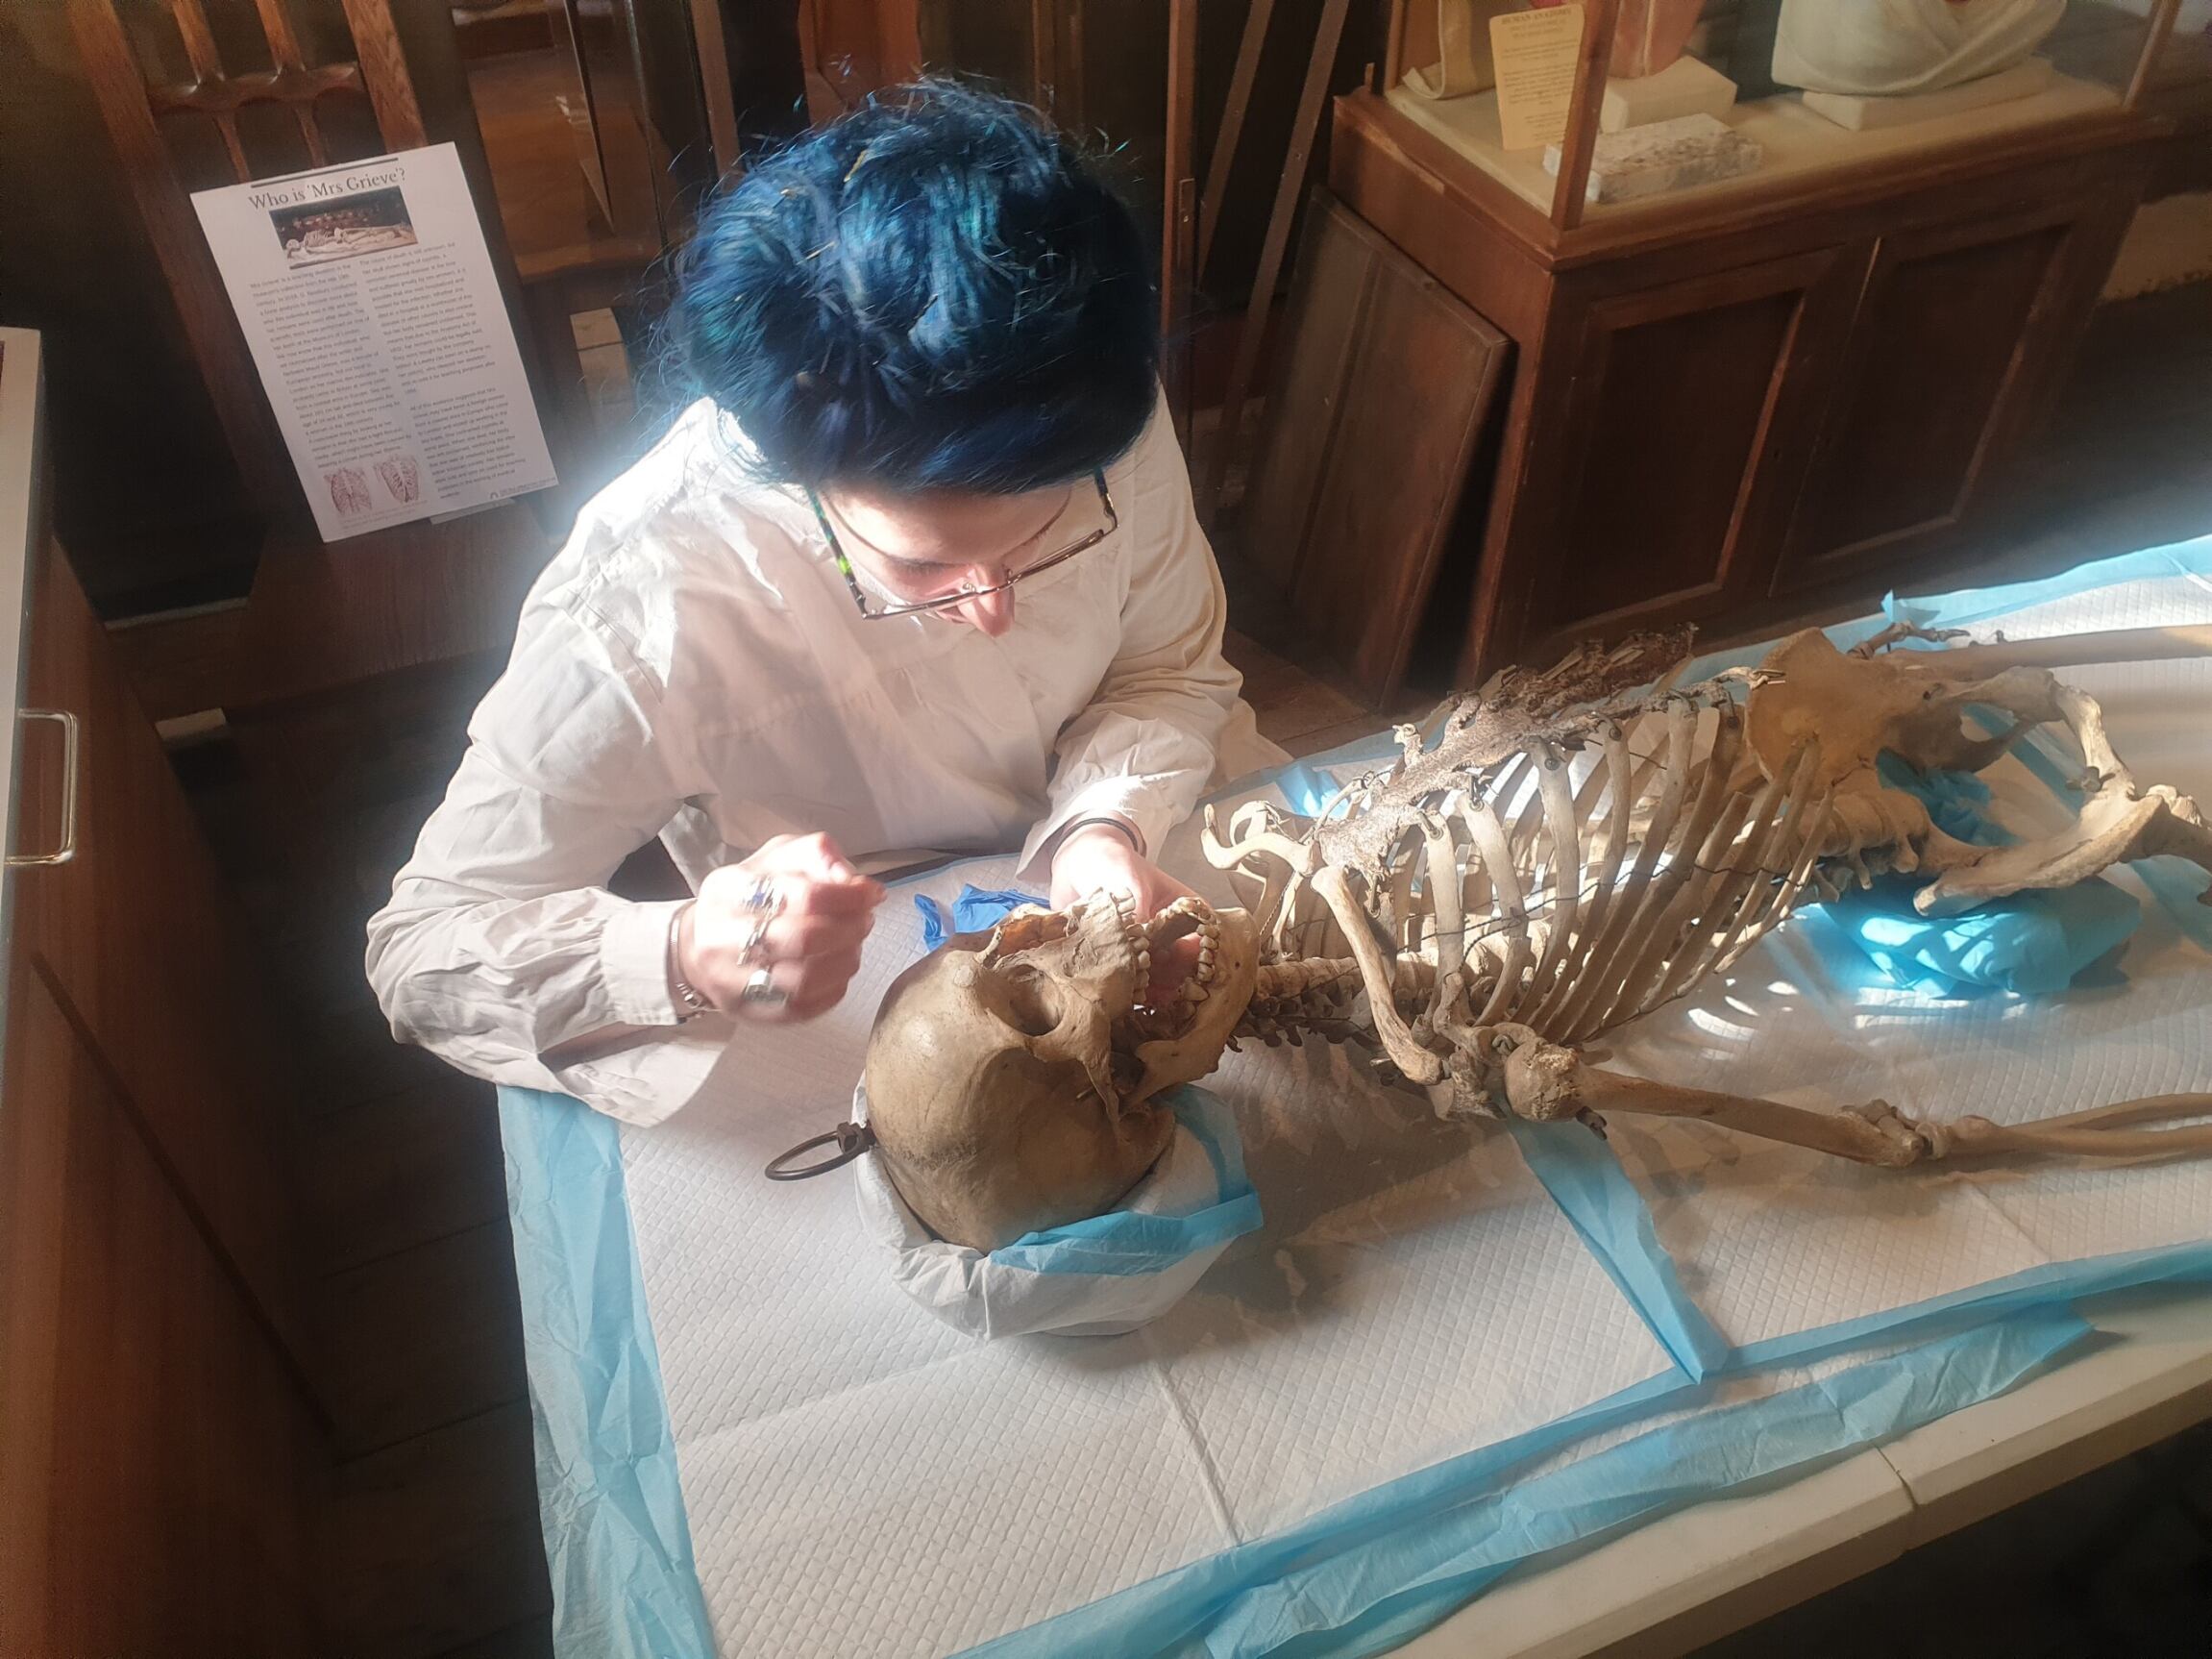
(1377,407)
(1335,273)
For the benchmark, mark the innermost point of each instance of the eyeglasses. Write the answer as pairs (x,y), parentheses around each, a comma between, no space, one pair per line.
(962,595)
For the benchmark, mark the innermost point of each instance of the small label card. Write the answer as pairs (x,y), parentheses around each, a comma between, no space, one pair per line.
(1535,53)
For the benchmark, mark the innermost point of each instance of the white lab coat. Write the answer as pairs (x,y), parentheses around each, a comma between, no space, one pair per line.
(692,666)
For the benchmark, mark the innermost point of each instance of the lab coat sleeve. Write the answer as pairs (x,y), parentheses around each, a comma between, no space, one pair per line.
(502,949)
(1145,747)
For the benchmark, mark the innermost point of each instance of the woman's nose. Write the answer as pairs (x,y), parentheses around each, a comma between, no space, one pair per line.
(990,612)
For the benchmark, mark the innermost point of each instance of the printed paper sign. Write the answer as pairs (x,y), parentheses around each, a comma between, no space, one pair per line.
(1536,53)
(367,298)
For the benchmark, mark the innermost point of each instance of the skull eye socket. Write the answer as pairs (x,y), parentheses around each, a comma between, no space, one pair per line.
(1030,1004)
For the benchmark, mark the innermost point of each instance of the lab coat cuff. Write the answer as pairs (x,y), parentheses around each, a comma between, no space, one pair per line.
(654,1079)
(1136,801)
(633,963)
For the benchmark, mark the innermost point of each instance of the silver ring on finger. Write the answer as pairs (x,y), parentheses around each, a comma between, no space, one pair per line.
(761,990)
(762,898)
(753,952)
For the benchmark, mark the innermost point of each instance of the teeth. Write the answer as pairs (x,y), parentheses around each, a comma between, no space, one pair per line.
(1209,947)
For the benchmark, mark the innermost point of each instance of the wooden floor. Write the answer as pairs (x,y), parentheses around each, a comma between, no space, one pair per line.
(545,205)
(430,1537)
(430,1534)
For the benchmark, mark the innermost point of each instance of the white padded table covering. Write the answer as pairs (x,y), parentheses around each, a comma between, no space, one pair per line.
(862,1481)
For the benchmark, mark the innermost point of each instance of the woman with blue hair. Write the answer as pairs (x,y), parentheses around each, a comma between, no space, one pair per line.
(917,573)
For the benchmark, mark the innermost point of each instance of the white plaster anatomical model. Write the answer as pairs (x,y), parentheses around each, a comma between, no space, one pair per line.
(1883,48)
(1574,849)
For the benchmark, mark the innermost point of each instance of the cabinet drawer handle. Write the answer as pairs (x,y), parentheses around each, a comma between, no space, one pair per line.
(70,727)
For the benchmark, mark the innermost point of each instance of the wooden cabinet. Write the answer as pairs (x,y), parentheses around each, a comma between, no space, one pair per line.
(159,1432)
(140,940)
(155,1450)
(1742,404)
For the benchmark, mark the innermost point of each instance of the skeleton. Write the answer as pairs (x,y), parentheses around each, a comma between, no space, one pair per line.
(1573,850)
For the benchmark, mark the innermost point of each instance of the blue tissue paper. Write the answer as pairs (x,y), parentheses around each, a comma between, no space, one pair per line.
(975,909)
(2032,942)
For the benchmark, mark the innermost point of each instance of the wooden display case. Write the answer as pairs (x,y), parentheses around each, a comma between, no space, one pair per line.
(1790,387)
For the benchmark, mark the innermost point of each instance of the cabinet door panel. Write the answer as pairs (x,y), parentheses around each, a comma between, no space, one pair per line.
(1687,404)
(151,961)
(1384,388)
(1961,334)
(1329,289)
(153,1445)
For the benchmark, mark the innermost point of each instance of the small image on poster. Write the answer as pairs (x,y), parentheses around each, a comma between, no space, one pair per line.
(368,297)
(364,222)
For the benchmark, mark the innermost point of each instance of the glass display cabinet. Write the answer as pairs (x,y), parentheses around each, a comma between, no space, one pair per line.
(1784,297)
(1680,105)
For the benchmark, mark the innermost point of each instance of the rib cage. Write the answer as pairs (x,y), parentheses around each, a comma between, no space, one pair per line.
(1563,869)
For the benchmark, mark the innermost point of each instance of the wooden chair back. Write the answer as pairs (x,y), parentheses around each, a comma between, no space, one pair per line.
(142,109)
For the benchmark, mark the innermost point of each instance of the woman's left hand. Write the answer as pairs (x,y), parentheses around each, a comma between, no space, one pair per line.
(1097,858)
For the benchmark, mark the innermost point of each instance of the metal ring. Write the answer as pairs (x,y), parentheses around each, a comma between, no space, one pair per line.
(752,952)
(852,1139)
(761,990)
(763,896)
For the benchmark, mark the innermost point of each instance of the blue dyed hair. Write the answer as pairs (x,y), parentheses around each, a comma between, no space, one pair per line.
(935,291)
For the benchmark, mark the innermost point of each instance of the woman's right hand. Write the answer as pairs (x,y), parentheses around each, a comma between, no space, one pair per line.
(817,911)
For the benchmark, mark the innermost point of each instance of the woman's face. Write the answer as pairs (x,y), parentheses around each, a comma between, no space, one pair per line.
(922,546)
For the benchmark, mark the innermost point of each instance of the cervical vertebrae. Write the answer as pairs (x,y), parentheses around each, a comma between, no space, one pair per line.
(1572,850)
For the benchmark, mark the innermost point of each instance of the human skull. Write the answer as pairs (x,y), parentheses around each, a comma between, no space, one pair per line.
(1013,1075)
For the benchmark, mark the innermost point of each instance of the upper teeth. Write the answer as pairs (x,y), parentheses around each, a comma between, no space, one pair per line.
(1141,937)
(1209,950)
